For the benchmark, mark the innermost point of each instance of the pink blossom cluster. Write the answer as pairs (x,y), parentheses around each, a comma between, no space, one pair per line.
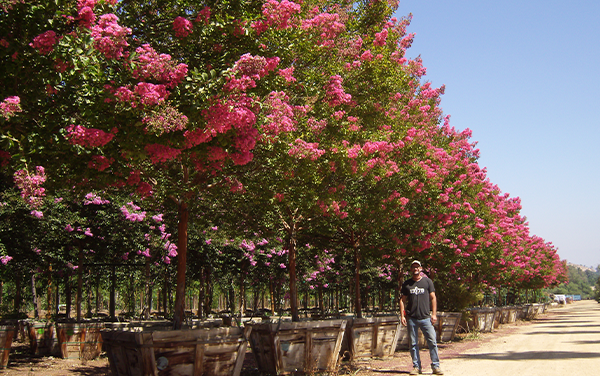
(316,125)
(382,147)
(255,66)
(287,74)
(30,185)
(7,6)
(224,115)
(36,213)
(144,93)
(182,26)
(85,12)
(88,137)
(93,199)
(110,38)
(381,37)
(171,249)
(132,212)
(280,114)
(276,14)
(100,162)
(335,93)
(150,65)
(4,259)
(45,42)
(10,106)
(327,25)
(160,153)
(165,119)
(302,149)
(204,16)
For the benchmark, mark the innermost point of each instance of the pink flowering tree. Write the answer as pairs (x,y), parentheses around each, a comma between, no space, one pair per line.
(308,107)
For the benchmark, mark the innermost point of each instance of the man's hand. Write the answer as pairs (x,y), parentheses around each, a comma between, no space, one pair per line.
(403,320)
(433,318)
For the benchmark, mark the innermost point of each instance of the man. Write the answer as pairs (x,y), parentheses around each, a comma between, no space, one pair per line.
(418,309)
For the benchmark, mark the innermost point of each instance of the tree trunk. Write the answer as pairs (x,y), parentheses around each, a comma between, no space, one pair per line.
(57,300)
(148,300)
(97,293)
(49,290)
(320,297)
(182,234)
(112,305)
(68,296)
(36,313)
(272,292)
(292,262)
(201,293)
(357,303)
(17,304)
(79,284)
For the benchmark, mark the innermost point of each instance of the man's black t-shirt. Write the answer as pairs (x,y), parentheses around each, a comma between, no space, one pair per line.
(418,305)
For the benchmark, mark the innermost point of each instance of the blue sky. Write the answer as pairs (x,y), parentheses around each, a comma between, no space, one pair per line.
(524,77)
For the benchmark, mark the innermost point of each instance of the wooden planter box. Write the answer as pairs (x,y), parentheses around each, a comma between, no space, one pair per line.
(370,337)
(287,347)
(508,315)
(531,311)
(483,319)
(80,341)
(447,325)
(43,339)
(195,352)
(6,337)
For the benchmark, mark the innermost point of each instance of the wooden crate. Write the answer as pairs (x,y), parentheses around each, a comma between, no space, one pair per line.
(375,336)
(6,337)
(447,325)
(80,341)
(42,338)
(307,346)
(483,319)
(195,352)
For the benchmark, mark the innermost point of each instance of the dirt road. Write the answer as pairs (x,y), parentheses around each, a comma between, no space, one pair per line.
(565,341)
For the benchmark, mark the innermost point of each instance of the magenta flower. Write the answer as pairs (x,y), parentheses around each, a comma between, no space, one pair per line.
(182,26)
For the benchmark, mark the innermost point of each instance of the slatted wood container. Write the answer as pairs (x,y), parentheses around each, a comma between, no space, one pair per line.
(373,337)
(6,337)
(508,315)
(195,352)
(43,339)
(482,319)
(80,341)
(287,347)
(447,325)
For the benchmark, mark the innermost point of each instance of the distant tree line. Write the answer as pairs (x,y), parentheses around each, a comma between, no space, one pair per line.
(585,283)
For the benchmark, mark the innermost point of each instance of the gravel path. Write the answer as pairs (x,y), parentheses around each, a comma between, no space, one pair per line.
(565,341)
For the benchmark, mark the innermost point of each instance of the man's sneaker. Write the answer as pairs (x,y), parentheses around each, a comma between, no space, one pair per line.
(415,371)
(437,371)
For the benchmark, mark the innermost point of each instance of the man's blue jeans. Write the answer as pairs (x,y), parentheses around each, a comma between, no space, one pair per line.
(428,330)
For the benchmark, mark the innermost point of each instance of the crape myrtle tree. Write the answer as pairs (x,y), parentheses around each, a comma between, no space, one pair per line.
(336,107)
(151,96)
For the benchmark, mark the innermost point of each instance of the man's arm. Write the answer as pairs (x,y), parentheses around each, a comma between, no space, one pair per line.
(433,300)
(402,313)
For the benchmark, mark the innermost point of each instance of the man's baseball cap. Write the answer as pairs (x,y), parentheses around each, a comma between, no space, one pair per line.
(416,262)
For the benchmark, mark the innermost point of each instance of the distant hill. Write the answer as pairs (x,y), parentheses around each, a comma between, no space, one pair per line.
(582,267)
